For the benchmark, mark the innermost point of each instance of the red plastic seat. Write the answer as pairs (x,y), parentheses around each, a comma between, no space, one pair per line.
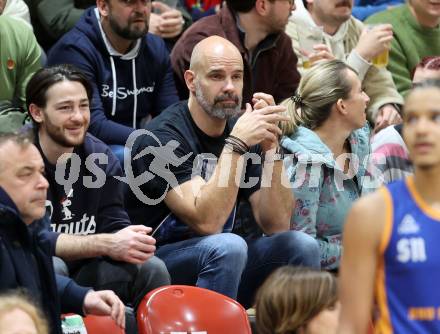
(188,309)
(101,325)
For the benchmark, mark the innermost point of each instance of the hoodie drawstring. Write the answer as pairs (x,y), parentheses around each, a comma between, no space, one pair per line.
(112,62)
(133,62)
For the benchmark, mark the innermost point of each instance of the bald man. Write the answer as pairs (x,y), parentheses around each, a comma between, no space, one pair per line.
(211,159)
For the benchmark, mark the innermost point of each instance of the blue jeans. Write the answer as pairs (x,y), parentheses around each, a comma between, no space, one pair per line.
(233,266)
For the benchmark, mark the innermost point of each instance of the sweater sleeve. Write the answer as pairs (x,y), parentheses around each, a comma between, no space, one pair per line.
(288,74)
(397,64)
(112,216)
(351,40)
(292,32)
(379,86)
(30,62)
(58,16)
(377,82)
(108,131)
(71,295)
(304,219)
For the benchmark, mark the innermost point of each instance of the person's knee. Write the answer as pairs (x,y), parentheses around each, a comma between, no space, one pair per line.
(151,274)
(301,248)
(155,271)
(60,267)
(231,246)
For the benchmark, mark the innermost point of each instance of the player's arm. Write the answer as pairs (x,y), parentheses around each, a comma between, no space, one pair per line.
(361,244)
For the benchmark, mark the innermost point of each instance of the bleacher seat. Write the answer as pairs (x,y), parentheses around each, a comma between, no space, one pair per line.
(187,309)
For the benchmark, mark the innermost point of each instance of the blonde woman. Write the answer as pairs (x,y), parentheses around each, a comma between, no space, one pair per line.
(297,300)
(18,316)
(327,147)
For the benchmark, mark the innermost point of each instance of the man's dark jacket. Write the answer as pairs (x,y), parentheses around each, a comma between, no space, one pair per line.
(26,264)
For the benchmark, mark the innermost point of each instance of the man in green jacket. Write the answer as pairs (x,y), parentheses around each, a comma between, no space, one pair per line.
(416,35)
(19,58)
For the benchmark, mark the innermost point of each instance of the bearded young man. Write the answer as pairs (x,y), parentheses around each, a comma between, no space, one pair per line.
(93,238)
(194,224)
(128,67)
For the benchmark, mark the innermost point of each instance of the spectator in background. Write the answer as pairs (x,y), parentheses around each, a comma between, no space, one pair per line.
(364,8)
(345,38)
(428,68)
(17,9)
(327,127)
(202,8)
(129,68)
(391,155)
(25,251)
(19,315)
(416,28)
(53,18)
(298,300)
(256,28)
(20,57)
(169,19)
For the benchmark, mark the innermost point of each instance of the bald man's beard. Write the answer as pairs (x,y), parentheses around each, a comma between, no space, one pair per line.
(216,109)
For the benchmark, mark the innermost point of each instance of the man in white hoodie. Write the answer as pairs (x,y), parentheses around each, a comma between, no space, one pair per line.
(346,38)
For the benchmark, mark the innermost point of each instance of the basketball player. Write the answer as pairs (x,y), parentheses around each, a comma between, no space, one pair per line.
(392,237)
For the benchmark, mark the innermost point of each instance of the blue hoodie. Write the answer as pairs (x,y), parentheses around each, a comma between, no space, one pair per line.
(322,196)
(142,78)
(94,201)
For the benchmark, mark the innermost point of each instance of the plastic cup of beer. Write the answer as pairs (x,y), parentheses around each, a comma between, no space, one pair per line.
(309,36)
(381,60)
